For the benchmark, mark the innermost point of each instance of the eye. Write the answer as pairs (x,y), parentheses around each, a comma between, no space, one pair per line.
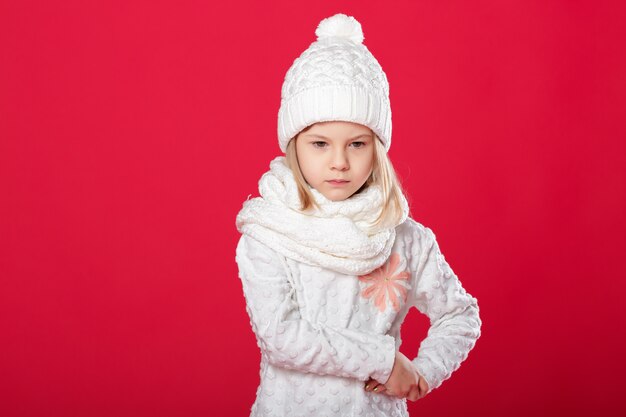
(319,144)
(358,144)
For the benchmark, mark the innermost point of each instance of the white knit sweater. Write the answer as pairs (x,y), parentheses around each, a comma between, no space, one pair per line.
(324,330)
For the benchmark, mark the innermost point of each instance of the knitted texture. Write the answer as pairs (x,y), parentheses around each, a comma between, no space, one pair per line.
(336,78)
(340,235)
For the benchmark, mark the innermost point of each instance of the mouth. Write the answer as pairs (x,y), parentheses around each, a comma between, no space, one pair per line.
(338,182)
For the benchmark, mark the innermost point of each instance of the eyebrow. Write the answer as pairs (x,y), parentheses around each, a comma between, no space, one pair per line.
(324,137)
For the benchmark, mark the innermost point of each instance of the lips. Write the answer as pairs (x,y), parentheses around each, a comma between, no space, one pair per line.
(339,181)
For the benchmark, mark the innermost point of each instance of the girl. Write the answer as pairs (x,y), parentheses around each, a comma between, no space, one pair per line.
(329,259)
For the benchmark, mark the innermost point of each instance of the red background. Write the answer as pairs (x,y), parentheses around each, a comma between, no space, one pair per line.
(131,133)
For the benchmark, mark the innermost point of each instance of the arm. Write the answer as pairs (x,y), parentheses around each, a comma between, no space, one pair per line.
(290,341)
(453,313)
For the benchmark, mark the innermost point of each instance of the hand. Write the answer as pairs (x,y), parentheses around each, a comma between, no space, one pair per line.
(404,381)
(420,391)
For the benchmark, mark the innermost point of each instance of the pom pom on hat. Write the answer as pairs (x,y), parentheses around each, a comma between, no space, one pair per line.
(340,26)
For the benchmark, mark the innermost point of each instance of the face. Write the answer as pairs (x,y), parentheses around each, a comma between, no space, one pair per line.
(336,158)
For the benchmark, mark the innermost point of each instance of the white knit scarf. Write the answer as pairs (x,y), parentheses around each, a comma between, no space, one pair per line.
(339,235)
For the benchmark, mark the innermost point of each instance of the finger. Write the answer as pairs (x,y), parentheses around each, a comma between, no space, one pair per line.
(372,384)
(368,384)
(379,388)
(413,395)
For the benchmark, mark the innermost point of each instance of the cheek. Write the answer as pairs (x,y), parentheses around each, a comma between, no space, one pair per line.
(366,165)
(306,172)
(307,166)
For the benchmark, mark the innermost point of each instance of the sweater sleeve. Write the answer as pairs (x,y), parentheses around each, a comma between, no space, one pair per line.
(290,341)
(454,314)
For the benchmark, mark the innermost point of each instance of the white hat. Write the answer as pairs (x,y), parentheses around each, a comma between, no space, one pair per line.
(336,78)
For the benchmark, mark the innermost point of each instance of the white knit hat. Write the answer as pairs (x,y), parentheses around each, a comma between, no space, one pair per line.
(336,78)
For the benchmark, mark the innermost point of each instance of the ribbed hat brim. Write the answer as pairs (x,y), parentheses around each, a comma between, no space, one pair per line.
(334,103)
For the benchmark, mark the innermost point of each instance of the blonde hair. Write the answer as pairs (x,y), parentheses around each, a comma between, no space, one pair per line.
(383,174)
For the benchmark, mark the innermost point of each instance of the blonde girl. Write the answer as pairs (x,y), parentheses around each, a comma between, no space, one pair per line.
(329,259)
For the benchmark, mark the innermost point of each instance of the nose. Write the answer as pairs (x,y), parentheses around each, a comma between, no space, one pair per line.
(340,160)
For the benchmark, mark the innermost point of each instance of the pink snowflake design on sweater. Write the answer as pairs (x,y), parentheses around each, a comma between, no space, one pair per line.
(385,281)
